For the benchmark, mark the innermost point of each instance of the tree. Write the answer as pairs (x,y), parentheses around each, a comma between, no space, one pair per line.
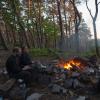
(94,24)
(60,25)
(77,21)
(40,23)
(84,36)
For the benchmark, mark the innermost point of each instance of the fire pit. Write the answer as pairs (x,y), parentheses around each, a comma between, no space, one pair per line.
(73,63)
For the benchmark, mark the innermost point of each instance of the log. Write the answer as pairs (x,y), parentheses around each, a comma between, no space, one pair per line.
(7,86)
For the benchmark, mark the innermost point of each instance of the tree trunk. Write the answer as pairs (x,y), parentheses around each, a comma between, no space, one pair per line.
(61,27)
(96,41)
(3,41)
(77,39)
(66,26)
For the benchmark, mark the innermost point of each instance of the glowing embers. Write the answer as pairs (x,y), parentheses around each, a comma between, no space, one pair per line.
(75,63)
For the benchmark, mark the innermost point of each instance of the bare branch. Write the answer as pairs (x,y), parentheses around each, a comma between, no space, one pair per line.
(98,3)
(77,14)
(89,9)
(96,12)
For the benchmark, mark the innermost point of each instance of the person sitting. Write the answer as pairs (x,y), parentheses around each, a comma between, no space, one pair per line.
(14,69)
(12,63)
(27,64)
(25,59)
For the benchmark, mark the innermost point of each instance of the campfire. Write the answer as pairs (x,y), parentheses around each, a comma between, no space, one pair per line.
(74,63)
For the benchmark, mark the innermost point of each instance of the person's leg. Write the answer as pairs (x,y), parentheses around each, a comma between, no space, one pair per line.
(25,75)
(34,74)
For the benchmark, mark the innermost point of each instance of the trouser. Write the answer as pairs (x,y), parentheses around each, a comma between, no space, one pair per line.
(25,75)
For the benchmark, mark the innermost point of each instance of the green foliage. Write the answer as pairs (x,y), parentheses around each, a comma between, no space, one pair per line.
(39,21)
(49,29)
(45,52)
(9,15)
(41,52)
(89,53)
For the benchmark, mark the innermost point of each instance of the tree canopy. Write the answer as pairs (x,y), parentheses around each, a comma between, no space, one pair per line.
(42,24)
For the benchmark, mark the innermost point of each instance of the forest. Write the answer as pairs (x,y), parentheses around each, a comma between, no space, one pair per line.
(49,50)
(43,24)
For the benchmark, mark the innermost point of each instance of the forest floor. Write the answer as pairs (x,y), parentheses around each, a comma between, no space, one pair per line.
(38,88)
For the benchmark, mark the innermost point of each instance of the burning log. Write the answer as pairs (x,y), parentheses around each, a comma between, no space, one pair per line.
(76,63)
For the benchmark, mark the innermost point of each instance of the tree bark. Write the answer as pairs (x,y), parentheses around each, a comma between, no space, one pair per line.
(94,24)
(3,41)
(96,40)
(61,26)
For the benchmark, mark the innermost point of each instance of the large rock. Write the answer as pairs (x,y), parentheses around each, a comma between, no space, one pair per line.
(34,96)
(52,96)
(18,93)
(44,79)
(68,83)
(57,89)
(81,98)
(75,74)
(77,84)
(73,83)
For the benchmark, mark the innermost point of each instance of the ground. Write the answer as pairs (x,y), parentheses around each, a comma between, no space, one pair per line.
(38,88)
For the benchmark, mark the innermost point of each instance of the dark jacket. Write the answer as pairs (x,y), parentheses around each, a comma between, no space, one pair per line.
(12,65)
(25,59)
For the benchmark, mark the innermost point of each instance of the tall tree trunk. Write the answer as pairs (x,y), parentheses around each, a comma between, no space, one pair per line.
(77,40)
(77,21)
(69,41)
(23,33)
(53,17)
(96,41)
(7,33)
(3,41)
(66,26)
(94,24)
(24,40)
(54,32)
(61,26)
(36,30)
(40,22)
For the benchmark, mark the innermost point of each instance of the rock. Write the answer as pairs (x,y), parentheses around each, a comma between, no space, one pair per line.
(52,96)
(63,76)
(44,79)
(20,80)
(81,98)
(68,83)
(43,66)
(54,88)
(7,85)
(38,65)
(85,79)
(71,93)
(34,96)
(77,98)
(73,98)
(18,93)
(75,74)
(88,70)
(72,83)
(76,84)
(49,68)
(55,70)
(57,89)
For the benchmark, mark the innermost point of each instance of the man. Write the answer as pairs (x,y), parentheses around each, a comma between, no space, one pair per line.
(27,64)
(12,63)
(14,69)
(25,59)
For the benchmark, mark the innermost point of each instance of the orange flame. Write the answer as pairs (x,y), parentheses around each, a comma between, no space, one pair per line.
(70,64)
